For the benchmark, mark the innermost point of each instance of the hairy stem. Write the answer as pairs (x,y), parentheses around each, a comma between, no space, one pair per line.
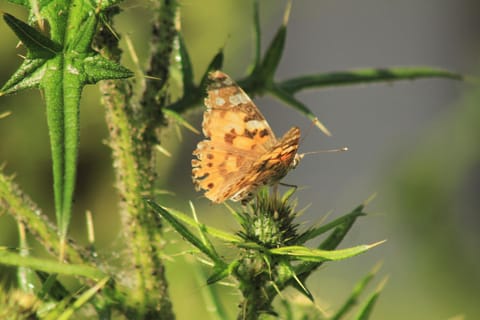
(132,138)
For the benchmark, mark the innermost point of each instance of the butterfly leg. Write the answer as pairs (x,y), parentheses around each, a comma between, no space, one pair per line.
(289,185)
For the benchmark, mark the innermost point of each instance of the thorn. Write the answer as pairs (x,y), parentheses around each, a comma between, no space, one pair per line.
(322,127)
(286,15)
(90,229)
(6,113)
(163,150)
(369,199)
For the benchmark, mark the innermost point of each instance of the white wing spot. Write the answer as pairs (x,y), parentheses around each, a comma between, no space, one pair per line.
(256,124)
(237,99)
(219,101)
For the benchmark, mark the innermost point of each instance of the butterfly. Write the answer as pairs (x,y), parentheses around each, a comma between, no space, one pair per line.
(240,152)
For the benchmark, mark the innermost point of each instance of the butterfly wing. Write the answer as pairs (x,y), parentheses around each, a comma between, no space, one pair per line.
(231,115)
(271,166)
(237,136)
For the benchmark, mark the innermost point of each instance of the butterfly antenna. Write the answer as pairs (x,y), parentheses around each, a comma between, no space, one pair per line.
(306,134)
(315,123)
(301,155)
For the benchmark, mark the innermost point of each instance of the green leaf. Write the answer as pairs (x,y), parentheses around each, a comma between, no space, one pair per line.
(180,120)
(184,232)
(357,291)
(290,100)
(210,296)
(201,228)
(275,50)
(225,236)
(341,231)
(222,271)
(61,66)
(366,309)
(28,75)
(66,308)
(37,44)
(362,76)
(98,68)
(286,271)
(215,64)
(316,255)
(25,276)
(187,69)
(332,241)
(51,286)
(50,266)
(315,232)
(83,299)
(258,37)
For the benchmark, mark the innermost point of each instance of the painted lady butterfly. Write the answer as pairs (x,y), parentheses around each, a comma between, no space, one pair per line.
(240,152)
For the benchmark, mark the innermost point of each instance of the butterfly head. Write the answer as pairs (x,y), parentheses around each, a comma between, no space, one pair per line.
(296,160)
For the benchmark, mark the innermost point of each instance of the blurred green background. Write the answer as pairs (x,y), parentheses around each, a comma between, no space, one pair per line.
(414,143)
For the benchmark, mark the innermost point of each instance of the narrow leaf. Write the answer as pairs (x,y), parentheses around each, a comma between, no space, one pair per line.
(286,271)
(366,309)
(97,68)
(25,276)
(357,291)
(48,286)
(27,76)
(215,64)
(315,232)
(180,120)
(257,35)
(289,99)
(15,259)
(362,76)
(333,240)
(316,255)
(83,299)
(51,286)
(187,69)
(201,228)
(225,236)
(184,232)
(38,45)
(210,296)
(341,231)
(273,55)
(82,30)
(221,272)
(275,50)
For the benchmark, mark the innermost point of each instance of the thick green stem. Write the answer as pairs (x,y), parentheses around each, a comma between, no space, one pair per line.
(253,280)
(132,139)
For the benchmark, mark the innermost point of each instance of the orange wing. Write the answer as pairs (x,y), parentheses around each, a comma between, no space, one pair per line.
(229,162)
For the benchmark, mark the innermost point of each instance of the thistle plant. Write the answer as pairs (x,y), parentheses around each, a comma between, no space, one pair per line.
(72,43)
(271,249)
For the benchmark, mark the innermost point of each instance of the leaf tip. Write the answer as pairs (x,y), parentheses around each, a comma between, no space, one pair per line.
(322,127)
(286,15)
(382,284)
(369,199)
(163,150)
(375,244)
(5,114)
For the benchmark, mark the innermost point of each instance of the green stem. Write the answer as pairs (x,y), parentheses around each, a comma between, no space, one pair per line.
(25,211)
(132,139)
